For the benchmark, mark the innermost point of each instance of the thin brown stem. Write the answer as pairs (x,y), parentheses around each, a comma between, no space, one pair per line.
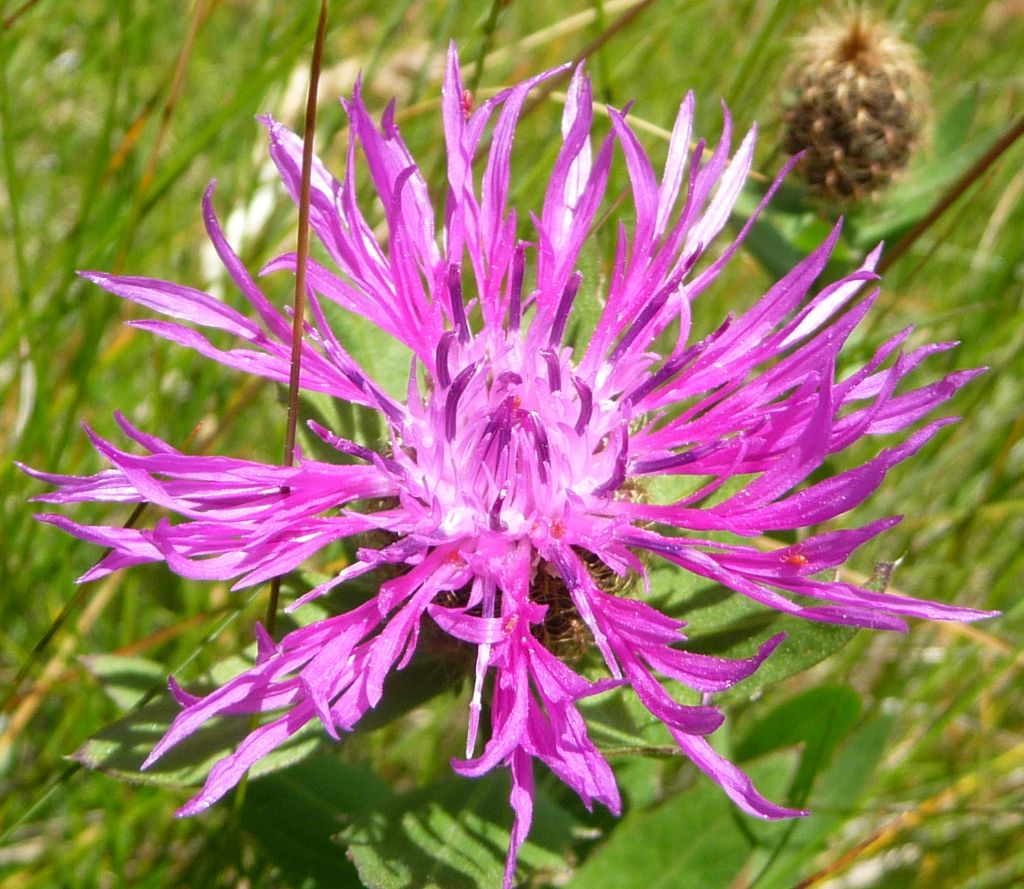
(302,253)
(18,13)
(976,170)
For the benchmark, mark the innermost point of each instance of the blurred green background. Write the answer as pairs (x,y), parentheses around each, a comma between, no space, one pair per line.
(113,118)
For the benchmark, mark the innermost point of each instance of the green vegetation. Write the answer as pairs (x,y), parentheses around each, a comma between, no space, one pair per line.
(114,115)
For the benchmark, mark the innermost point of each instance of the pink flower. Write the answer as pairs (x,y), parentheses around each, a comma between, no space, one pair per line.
(512,491)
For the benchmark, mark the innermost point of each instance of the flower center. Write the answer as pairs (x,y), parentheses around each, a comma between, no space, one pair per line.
(513,437)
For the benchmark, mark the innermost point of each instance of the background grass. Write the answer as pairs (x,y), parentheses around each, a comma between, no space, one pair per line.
(113,118)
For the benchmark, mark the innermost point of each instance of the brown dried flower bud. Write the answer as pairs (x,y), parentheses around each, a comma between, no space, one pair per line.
(854,103)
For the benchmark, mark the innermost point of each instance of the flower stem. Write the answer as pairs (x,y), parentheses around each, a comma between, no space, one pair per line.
(299,308)
(995,151)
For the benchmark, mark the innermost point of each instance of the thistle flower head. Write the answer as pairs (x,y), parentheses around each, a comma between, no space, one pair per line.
(510,493)
(855,104)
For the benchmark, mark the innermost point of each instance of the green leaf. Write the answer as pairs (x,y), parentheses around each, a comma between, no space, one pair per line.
(818,719)
(126,680)
(957,146)
(381,355)
(807,643)
(296,814)
(426,676)
(726,624)
(617,720)
(121,747)
(766,243)
(636,743)
(956,122)
(785,233)
(454,835)
(695,840)
(641,779)
(833,802)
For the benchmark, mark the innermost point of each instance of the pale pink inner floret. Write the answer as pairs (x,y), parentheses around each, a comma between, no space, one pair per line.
(514,442)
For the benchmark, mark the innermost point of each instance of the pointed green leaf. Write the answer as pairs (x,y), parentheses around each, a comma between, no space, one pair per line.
(726,624)
(296,814)
(819,719)
(126,680)
(455,835)
(833,802)
(697,839)
(121,747)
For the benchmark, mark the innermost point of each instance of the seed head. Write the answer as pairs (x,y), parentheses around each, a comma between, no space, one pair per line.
(854,102)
